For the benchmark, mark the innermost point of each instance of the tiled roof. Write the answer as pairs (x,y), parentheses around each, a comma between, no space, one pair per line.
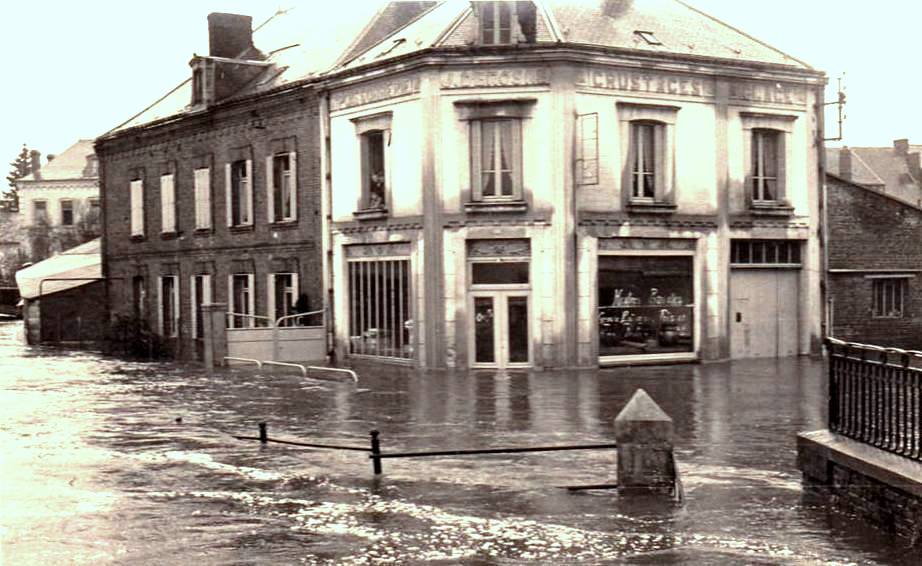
(390,18)
(879,167)
(71,164)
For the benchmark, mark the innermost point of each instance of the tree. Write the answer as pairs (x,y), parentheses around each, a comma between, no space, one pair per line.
(19,168)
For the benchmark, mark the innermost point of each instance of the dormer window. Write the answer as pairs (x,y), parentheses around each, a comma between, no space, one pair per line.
(506,22)
(198,87)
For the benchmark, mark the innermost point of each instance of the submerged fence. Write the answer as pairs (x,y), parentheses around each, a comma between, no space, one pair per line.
(875,396)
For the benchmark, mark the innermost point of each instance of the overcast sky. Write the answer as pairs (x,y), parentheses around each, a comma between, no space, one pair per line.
(74,69)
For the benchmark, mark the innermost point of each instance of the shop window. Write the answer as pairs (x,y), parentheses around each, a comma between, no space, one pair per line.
(771,253)
(282,187)
(167,204)
(496,150)
(39,212)
(239,193)
(379,308)
(242,301)
(648,178)
(201,295)
(888,297)
(202,198)
(168,303)
(137,208)
(765,166)
(67,212)
(646,305)
(507,22)
(283,293)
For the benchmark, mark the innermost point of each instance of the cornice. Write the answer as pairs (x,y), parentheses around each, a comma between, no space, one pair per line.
(590,219)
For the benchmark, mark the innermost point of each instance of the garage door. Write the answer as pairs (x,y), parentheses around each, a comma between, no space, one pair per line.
(763,305)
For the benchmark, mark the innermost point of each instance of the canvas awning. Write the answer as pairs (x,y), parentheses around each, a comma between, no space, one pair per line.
(75,267)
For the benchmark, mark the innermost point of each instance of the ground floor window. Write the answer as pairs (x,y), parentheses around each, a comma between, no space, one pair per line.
(201,294)
(646,305)
(379,308)
(242,301)
(169,306)
(888,297)
(284,292)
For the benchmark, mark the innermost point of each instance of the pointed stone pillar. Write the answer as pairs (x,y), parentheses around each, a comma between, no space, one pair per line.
(644,434)
(214,334)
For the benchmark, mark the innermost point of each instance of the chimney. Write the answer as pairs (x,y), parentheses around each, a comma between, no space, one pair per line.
(50,157)
(845,163)
(901,146)
(229,35)
(36,157)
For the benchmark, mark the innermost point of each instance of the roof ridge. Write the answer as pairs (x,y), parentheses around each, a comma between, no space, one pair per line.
(741,32)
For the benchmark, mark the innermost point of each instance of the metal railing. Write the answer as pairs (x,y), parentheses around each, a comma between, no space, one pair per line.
(875,396)
(233,316)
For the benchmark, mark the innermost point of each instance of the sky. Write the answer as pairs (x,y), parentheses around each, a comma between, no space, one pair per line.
(77,69)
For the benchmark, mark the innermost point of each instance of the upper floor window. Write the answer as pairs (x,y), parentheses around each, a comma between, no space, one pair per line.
(496,156)
(889,297)
(167,203)
(67,212)
(506,22)
(765,166)
(137,207)
(646,147)
(93,213)
(648,177)
(374,136)
(202,198)
(39,212)
(198,86)
(282,187)
(239,193)
(765,143)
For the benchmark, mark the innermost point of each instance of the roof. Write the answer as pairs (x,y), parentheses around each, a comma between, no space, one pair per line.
(70,164)
(878,167)
(83,262)
(678,28)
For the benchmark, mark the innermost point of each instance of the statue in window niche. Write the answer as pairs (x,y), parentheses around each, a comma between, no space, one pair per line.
(376,191)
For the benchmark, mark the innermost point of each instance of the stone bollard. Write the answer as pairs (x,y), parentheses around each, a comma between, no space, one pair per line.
(214,334)
(644,435)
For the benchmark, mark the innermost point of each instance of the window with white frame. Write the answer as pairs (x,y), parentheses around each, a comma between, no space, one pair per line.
(648,177)
(94,212)
(167,204)
(168,306)
(765,165)
(67,212)
(202,179)
(379,308)
(496,159)
(282,188)
(283,293)
(647,139)
(765,143)
(39,212)
(200,293)
(242,300)
(888,297)
(238,177)
(374,137)
(506,22)
(137,207)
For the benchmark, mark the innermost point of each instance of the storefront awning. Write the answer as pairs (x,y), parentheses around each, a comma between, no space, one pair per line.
(75,267)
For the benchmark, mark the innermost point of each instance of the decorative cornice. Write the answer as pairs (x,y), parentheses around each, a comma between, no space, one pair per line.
(587,218)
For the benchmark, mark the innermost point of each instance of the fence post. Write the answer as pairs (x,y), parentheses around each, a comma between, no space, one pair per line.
(375,452)
(214,334)
(263,433)
(644,434)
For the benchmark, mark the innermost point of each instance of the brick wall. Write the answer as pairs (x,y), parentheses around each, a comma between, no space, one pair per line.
(256,129)
(872,233)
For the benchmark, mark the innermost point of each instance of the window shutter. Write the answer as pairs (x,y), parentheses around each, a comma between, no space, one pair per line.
(175,324)
(230,300)
(476,165)
(251,300)
(659,161)
(193,288)
(270,292)
(167,204)
(137,207)
(249,194)
(293,183)
(228,190)
(270,189)
(295,286)
(587,149)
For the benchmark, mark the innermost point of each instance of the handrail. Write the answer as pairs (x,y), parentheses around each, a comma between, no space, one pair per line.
(259,316)
(279,320)
(258,363)
(352,374)
(287,364)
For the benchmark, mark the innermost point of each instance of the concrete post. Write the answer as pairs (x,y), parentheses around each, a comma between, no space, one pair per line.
(214,334)
(644,434)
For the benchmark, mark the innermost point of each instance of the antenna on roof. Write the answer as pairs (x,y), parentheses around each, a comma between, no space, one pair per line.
(840,102)
(280,12)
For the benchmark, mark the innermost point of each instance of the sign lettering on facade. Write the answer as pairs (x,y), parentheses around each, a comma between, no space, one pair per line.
(766,91)
(646,81)
(472,78)
(617,244)
(373,92)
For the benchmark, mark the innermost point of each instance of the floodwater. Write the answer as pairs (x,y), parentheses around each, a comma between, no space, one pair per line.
(96,469)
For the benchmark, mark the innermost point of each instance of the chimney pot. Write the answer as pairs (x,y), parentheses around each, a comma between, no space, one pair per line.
(229,35)
(50,157)
(901,146)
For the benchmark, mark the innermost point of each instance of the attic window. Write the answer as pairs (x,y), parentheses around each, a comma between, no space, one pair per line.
(506,22)
(648,37)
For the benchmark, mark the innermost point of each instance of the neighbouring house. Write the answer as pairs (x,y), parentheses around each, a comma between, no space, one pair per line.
(59,202)
(11,258)
(64,299)
(895,171)
(560,183)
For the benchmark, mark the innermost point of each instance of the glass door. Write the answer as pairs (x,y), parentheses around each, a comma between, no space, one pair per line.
(501,335)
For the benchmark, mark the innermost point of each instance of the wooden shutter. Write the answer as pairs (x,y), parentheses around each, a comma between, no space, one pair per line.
(137,207)
(271,296)
(270,189)
(475,156)
(228,192)
(167,204)
(249,194)
(293,183)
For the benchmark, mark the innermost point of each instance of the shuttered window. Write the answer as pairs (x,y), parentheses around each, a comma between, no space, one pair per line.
(203,199)
(137,207)
(167,203)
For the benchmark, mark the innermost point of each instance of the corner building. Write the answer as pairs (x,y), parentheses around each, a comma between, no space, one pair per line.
(561,184)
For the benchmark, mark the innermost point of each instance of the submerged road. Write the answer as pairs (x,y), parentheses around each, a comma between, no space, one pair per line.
(104,461)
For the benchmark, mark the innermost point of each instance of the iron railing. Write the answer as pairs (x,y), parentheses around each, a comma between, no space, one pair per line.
(875,396)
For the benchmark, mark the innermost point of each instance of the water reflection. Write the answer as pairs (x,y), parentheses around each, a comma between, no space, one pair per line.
(97,469)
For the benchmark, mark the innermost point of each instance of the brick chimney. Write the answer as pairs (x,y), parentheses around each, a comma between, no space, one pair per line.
(901,146)
(845,163)
(229,35)
(36,158)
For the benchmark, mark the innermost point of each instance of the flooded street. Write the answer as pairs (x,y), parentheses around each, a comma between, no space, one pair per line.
(97,469)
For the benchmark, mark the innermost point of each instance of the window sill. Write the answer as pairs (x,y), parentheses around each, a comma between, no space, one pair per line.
(138,238)
(783,210)
(651,207)
(240,228)
(370,214)
(202,232)
(504,206)
(169,235)
(284,224)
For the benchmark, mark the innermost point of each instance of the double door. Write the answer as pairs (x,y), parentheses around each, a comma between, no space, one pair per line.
(500,330)
(764,313)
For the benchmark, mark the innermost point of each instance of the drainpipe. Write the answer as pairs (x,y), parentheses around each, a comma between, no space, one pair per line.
(326,212)
(826,313)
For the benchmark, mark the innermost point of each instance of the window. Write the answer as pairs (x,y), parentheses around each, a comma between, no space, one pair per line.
(168,303)
(67,212)
(39,212)
(648,37)
(648,180)
(888,297)
(281,182)
(496,150)
(139,298)
(201,295)
(646,143)
(239,193)
(198,87)
(202,199)
(771,253)
(94,212)
(137,207)
(379,308)
(373,172)
(496,23)
(167,204)
(242,301)
(283,292)
(765,157)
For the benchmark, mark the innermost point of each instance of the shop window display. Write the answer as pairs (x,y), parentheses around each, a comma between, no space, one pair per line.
(646,305)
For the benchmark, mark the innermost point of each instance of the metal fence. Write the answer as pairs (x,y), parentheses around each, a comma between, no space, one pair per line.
(875,396)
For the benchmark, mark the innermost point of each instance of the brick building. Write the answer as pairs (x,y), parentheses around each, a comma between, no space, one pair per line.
(874,262)
(212,194)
